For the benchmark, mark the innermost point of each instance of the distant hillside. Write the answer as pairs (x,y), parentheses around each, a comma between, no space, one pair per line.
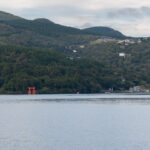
(43,27)
(7,16)
(105,31)
(45,33)
(51,72)
(39,33)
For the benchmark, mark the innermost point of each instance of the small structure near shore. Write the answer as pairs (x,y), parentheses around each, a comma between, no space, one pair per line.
(31,90)
(137,89)
(122,55)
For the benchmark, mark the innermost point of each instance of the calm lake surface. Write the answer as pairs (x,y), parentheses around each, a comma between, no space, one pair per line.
(75,122)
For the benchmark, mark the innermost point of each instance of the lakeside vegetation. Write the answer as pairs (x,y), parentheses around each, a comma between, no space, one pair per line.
(51,72)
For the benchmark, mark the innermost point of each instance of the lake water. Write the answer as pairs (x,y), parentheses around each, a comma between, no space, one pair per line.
(75,122)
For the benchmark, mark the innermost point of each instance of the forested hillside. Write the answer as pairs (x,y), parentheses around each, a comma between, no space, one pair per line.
(105,31)
(44,33)
(60,59)
(51,72)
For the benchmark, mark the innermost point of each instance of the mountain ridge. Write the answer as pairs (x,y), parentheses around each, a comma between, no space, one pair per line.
(105,31)
(19,22)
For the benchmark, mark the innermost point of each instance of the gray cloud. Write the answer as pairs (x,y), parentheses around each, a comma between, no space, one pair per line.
(52,11)
(127,13)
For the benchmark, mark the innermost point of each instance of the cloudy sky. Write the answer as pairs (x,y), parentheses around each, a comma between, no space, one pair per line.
(132,17)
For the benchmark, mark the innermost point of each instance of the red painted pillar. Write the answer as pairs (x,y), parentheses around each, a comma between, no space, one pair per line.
(33,91)
(29,90)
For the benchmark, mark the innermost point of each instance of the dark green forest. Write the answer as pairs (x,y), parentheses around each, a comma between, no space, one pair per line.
(51,72)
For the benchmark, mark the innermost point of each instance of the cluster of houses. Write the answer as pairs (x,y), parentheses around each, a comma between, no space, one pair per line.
(135,89)
(106,39)
(125,41)
(124,55)
(122,42)
(138,89)
(129,41)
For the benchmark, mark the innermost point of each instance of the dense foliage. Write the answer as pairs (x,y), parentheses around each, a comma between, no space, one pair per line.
(60,59)
(51,72)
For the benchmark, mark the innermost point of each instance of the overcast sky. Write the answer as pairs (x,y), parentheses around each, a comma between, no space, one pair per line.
(132,17)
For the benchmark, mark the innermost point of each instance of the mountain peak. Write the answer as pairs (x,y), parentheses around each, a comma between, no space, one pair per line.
(105,31)
(43,20)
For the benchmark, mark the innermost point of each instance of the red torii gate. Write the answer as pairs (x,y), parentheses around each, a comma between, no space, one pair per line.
(31,90)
